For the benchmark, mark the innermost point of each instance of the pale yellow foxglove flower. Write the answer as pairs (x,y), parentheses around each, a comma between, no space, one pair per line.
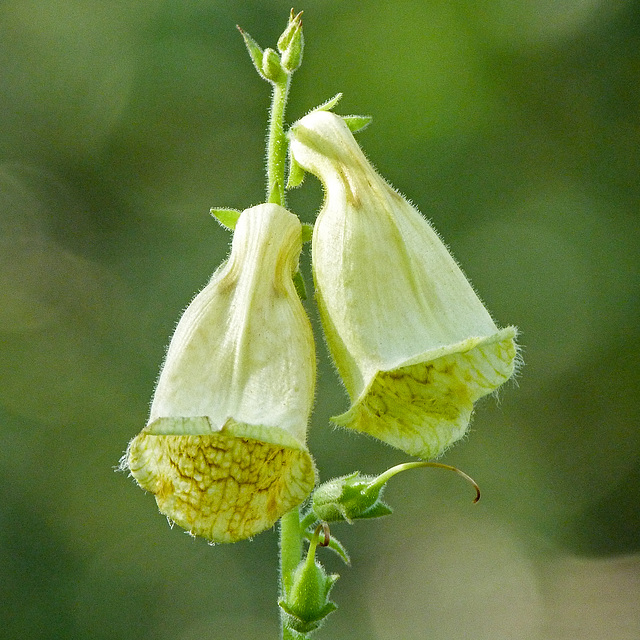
(224,450)
(413,343)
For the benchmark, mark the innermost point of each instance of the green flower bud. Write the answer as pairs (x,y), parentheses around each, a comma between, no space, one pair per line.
(306,602)
(272,67)
(349,498)
(412,341)
(224,450)
(294,26)
(291,43)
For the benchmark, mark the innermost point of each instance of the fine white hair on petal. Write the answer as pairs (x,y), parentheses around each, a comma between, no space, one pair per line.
(413,343)
(224,451)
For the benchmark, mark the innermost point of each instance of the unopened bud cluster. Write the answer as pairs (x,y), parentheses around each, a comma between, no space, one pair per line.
(272,66)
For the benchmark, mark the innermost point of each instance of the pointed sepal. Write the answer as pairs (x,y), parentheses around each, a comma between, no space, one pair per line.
(357,123)
(226,218)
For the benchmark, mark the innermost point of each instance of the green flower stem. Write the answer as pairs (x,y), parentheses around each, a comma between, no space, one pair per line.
(290,557)
(291,531)
(277,143)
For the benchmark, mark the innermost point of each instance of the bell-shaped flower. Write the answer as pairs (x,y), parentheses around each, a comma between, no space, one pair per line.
(410,338)
(224,450)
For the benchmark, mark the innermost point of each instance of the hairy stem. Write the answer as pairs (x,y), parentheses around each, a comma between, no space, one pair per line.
(290,556)
(277,143)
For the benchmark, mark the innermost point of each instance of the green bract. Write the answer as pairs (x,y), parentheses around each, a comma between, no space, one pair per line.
(412,341)
(224,450)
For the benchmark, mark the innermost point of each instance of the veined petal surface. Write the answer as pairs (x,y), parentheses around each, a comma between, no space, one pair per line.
(224,451)
(412,342)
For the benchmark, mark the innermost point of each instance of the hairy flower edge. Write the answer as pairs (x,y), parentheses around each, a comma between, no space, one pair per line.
(425,404)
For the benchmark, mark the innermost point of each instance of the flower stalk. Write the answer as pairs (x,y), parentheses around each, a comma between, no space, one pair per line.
(290,546)
(277,142)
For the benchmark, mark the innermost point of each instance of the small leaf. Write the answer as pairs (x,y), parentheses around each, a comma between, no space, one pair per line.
(357,123)
(226,217)
(255,51)
(337,546)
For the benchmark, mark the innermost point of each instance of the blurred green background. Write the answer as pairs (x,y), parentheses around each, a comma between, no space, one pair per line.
(514,126)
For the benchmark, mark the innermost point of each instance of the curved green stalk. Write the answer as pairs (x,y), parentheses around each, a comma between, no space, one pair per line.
(383,478)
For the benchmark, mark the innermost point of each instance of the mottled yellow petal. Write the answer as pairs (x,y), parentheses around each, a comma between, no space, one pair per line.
(223,486)
(424,408)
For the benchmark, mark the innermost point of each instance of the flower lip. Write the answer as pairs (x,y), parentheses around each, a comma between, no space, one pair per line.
(223,485)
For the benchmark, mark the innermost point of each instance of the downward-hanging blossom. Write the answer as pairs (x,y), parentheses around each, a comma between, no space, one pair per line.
(224,450)
(410,338)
